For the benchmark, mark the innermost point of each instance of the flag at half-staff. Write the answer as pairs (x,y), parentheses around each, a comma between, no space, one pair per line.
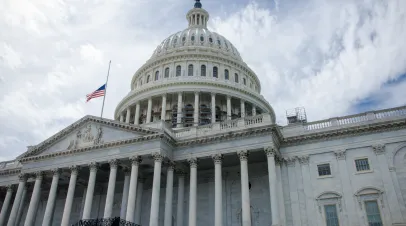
(100,92)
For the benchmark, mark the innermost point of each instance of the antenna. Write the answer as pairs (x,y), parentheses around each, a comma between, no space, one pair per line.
(296,115)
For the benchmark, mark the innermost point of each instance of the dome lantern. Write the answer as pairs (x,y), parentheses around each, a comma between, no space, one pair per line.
(197,17)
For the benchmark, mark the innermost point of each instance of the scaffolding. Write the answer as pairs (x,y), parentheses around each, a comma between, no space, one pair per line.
(204,115)
(296,115)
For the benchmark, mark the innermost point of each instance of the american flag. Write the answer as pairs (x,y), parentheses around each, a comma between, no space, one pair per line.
(98,93)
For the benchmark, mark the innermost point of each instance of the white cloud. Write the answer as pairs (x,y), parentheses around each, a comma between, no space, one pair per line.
(317,54)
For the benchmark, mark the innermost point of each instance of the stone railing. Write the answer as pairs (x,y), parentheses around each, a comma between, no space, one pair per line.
(221,127)
(346,121)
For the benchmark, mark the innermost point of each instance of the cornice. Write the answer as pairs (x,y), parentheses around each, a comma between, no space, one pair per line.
(345,132)
(43,145)
(10,172)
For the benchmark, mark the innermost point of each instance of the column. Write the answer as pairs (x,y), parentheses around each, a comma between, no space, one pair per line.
(138,204)
(228,108)
(293,191)
(13,215)
(90,190)
(181,194)
(108,207)
(179,116)
(245,194)
(163,109)
(137,114)
(149,110)
(49,210)
(135,162)
(270,153)
(36,195)
(193,191)
(156,186)
(213,107)
(21,208)
(218,190)
(128,115)
(121,117)
(242,109)
(281,201)
(168,196)
(126,188)
(6,203)
(69,197)
(196,110)
(254,110)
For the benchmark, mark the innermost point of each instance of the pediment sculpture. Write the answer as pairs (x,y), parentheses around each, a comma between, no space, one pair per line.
(87,137)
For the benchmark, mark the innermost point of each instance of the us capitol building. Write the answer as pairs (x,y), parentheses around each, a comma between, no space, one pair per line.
(195,143)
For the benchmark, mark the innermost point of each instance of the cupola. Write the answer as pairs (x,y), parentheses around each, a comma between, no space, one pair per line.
(197,17)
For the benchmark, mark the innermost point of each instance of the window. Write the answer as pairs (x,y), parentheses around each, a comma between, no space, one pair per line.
(156,75)
(148,78)
(226,76)
(215,75)
(190,70)
(244,81)
(203,70)
(219,42)
(183,40)
(324,169)
(331,215)
(362,164)
(373,215)
(167,72)
(236,77)
(202,38)
(192,38)
(178,70)
(211,40)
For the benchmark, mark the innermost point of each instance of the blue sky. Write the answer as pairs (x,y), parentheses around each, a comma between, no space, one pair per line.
(332,57)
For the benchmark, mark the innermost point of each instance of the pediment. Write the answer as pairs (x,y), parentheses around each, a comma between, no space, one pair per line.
(87,132)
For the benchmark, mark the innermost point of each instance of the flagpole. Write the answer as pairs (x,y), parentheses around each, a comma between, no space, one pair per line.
(105,90)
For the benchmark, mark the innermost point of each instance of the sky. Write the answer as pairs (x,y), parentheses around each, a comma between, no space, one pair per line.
(333,57)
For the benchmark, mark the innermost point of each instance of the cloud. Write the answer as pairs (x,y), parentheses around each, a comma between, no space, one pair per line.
(324,55)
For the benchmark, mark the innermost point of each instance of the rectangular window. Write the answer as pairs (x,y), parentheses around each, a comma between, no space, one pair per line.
(324,169)
(362,164)
(373,215)
(331,215)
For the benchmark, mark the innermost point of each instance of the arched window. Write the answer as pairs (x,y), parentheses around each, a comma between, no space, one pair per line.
(190,70)
(203,70)
(156,75)
(215,74)
(178,70)
(148,78)
(236,77)
(167,72)
(226,75)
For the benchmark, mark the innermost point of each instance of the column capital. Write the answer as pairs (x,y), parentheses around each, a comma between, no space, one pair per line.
(213,94)
(228,97)
(290,161)
(158,157)
(56,171)
(304,160)
(171,165)
(379,149)
(126,170)
(340,155)
(9,187)
(135,160)
(113,163)
(197,92)
(39,175)
(74,169)
(243,155)
(180,93)
(192,162)
(164,95)
(270,151)
(217,158)
(22,177)
(93,166)
(180,172)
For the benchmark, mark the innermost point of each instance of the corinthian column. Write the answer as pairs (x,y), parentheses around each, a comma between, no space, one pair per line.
(193,191)
(90,190)
(242,108)
(168,196)
(270,153)
(156,187)
(69,197)
(13,215)
(135,162)
(6,203)
(128,115)
(218,206)
(108,207)
(138,202)
(245,195)
(181,194)
(49,210)
(36,193)
(126,188)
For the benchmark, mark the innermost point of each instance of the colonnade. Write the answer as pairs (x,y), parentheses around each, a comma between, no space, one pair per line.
(131,200)
(126,115)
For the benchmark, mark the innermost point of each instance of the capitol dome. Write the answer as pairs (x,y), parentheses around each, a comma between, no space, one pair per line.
(193,78)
